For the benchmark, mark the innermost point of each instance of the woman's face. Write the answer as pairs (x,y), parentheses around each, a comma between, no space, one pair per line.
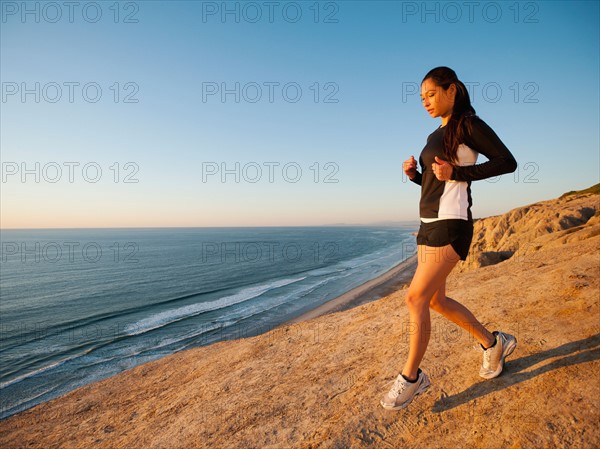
(437,101)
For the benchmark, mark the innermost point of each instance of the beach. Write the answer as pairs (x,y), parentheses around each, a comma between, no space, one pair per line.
(316,382)
(150,308)
(383,285)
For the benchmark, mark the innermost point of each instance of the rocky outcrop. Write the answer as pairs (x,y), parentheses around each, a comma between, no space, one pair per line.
(570,218)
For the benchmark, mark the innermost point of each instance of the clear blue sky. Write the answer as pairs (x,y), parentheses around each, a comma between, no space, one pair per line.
(533,68)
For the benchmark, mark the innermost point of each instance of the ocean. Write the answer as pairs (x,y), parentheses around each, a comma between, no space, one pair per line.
(80,305)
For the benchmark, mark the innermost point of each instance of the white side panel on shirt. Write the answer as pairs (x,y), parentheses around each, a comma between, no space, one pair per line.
(454,202)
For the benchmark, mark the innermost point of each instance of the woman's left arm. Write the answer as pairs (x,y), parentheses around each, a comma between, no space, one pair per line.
(484,140)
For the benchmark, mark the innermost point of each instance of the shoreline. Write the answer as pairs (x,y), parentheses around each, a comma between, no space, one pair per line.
(309,386)
(371,290)
(379,287)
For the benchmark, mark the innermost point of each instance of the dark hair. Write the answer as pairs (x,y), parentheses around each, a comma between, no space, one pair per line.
(462,112)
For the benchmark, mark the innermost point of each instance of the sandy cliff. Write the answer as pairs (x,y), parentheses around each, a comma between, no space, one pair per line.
(526,229)
(317,384)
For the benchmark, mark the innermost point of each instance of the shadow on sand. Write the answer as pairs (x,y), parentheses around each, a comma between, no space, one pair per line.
(572,353)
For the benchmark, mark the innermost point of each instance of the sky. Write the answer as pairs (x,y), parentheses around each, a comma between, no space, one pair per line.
(161,114)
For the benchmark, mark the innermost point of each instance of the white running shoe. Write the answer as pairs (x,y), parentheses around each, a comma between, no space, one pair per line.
(403,392)
(493,358)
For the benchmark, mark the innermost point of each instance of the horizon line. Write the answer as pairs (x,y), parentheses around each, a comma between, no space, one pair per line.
(391,223)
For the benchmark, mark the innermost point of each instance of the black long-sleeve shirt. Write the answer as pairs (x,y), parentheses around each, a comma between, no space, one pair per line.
(442,200)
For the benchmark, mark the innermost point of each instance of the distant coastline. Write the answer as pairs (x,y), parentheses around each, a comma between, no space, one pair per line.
(379,287)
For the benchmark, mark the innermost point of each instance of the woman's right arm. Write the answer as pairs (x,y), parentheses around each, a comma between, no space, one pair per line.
(410,170)
(417,179)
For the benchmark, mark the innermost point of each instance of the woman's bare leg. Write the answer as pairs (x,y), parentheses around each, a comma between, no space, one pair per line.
(459,314)
(434,266)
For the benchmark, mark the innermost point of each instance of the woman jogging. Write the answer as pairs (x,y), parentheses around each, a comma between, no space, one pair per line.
(448,165)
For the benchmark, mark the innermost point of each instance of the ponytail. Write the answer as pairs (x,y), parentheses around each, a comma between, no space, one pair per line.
(462,112)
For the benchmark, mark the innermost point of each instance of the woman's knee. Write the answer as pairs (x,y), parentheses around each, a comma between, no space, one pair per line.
(416,299)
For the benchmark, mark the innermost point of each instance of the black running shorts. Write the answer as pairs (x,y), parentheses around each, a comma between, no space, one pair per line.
(457,233)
